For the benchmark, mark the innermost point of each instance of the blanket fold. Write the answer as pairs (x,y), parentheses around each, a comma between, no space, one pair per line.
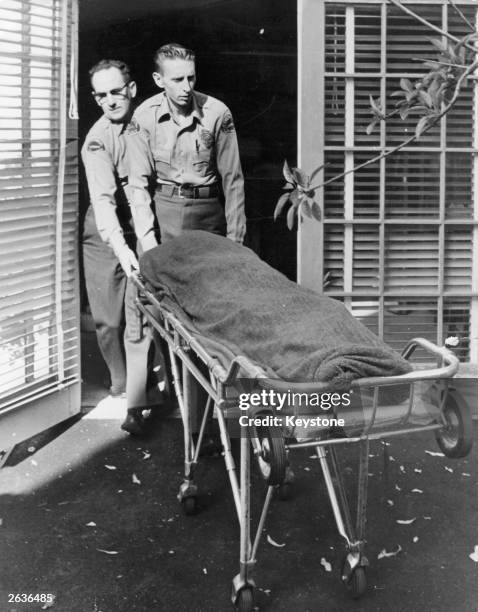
(241,304)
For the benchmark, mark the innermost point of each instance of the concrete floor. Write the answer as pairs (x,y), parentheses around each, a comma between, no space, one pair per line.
(92,517)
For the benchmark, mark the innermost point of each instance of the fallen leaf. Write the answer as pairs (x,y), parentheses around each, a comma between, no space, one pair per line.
(326,564)
(135,479)
(204,570)
(33,462)
(91,524)
(314,457)
(427,518)
(390,502)
(171,552)
(273,542)
(406,521)
(402,469)
(397,488)
(391,458)
(382,554)
(110,467)
(433,454)
(474,555)
(49,604)
(465,474)
(370,474)
(107,552)
(417,470)
(146,455)
(415,539)
(267,591)
(417,491)
(307,469)
(448,469)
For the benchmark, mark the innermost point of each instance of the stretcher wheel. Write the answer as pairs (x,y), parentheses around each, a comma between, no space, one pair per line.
(245,600)
(189,505)
(355,580)
(456,438)
(272,458)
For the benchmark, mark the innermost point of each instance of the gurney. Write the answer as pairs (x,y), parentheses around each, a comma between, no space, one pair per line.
(420,399)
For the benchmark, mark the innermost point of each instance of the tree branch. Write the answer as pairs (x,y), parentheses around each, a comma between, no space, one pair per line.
(405,9)
(405,143)
(460,13)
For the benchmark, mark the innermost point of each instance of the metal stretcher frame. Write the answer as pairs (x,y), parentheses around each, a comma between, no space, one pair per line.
(453,430)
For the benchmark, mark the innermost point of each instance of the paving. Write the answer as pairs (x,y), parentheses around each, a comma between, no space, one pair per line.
(92,518)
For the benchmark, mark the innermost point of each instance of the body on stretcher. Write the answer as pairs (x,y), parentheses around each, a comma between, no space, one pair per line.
(420,400)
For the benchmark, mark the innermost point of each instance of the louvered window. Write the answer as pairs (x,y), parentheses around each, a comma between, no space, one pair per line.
(399,238)
(39,335)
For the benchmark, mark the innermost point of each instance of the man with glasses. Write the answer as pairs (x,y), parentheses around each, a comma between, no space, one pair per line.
(112,231)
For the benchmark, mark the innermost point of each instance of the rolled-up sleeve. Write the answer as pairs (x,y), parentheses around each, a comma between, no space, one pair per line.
(140,170)
(100,174)
(229,166)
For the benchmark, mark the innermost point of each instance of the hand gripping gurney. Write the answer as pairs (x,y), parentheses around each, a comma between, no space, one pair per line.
(237,327)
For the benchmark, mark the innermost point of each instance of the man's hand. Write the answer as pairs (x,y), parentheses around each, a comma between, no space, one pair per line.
(128,261)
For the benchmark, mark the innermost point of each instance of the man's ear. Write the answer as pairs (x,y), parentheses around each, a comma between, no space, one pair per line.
(133,89)
(158,79)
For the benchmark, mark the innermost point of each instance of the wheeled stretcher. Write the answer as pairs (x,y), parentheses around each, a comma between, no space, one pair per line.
(192,363)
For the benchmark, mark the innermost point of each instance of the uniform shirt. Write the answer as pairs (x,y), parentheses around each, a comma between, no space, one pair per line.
(200,151)
(105,160)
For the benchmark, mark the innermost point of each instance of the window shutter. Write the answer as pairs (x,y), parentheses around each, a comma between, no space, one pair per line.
(39,335)
(398,238)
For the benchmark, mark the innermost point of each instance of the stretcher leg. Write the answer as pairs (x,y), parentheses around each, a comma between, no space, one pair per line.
(353,572)
(242,584)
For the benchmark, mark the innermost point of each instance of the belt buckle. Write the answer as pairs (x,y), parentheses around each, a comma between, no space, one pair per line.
(180,191)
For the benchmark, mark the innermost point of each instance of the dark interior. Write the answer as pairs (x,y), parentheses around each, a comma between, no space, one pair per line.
(246,56)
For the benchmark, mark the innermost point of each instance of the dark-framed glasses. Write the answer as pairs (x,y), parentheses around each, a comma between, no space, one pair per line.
(102,96)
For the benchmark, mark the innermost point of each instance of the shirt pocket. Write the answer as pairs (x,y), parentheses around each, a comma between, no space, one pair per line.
(202,161)
(162,162)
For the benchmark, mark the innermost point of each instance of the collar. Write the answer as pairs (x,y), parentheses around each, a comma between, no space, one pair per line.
(196,112)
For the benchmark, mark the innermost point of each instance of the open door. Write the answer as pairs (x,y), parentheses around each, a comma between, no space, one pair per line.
(39,305)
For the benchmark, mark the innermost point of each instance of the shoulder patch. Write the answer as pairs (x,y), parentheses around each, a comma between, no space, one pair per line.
(227,123)
(132,127)
(207,138)
(95,145)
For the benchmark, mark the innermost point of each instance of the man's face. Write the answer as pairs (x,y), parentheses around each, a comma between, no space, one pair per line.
(177,78)
(113,95)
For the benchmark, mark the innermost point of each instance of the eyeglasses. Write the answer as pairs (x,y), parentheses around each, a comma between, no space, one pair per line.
(101,96)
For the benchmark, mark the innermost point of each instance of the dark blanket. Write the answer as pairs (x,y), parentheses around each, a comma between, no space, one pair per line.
(236,301)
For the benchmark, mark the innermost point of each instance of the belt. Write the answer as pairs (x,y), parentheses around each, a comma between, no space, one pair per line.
(189,191)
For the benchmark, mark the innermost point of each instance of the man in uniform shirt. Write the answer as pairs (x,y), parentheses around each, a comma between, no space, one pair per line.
(195,154)
(109,242)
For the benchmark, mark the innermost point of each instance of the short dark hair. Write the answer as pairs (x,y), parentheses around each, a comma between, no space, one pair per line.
(172,51)
(104,64)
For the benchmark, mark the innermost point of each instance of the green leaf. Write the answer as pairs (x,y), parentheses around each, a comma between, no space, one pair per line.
(371,127)
(315,208)
(288,173)
(439,44)
(426,98)
(282,201)
(305,208)
(421,125)
(406,85)
(404,110)
(301,177)
(375,106)
(291,214)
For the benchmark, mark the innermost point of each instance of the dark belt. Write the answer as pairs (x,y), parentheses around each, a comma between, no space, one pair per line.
(188,191)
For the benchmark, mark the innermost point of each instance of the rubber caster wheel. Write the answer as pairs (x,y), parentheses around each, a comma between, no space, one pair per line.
(189,505)
(355,580)
(456,438)
(245,600)
(273,457)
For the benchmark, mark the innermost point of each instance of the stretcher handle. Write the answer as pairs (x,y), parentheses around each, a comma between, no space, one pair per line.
(447,370)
